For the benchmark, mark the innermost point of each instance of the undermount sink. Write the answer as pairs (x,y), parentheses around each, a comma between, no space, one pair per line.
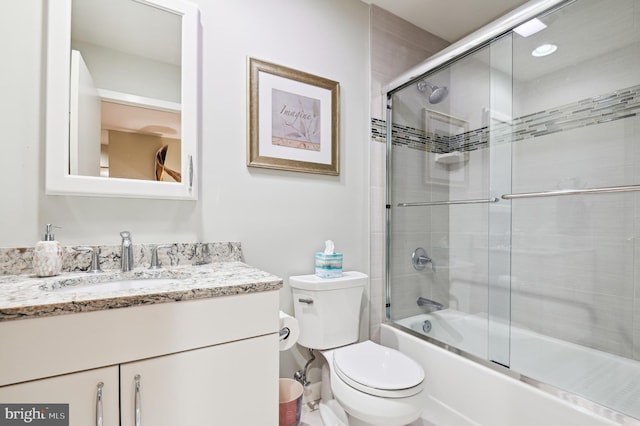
(110,282)
(115,285)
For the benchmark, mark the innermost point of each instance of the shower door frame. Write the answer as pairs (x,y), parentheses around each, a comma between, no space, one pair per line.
(459,49)
(462,47)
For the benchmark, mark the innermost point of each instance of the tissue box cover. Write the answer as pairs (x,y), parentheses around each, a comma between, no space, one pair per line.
(329,265)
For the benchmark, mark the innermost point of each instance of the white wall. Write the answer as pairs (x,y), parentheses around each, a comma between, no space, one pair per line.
(281,218)
(21,112)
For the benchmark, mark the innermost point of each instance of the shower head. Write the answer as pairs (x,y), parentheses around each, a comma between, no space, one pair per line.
(437,93)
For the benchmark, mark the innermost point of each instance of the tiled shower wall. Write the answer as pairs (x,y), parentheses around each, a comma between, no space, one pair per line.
(604,108)
(573,258)
(396,45)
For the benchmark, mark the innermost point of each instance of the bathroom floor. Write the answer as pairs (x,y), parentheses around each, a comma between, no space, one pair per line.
(435,414)
(312,418)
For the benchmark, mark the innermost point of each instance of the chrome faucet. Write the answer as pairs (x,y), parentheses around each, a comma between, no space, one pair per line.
(424,302)
(155,261)
(201,255)
(94,267)
(126,254)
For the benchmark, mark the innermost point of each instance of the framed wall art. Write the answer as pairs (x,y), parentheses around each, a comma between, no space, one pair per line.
(293,120)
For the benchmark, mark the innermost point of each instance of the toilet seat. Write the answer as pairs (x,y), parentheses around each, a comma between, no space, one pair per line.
(378,370)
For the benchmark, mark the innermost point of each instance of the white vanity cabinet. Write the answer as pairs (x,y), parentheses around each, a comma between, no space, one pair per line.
(229,384)
(79,390)
(202,362)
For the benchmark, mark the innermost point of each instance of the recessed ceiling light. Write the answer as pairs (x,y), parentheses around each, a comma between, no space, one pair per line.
(544,50)
(530,27)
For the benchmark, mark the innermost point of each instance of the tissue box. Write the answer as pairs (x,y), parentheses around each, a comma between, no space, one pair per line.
(329,265)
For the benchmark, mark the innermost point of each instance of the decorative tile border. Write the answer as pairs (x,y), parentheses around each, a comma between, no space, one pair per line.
(18,261)
(600,109)
(378,130)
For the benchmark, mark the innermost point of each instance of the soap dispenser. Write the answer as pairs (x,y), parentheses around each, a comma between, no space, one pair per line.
(47,256)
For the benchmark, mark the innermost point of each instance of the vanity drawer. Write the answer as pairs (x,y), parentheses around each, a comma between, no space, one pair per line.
(44,347)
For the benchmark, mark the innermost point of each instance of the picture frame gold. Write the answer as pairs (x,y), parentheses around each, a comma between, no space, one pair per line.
(293,120)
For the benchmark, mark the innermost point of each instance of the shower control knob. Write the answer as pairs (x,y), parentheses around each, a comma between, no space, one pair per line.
(419,259)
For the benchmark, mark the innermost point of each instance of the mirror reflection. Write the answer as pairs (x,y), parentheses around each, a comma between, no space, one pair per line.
(125,94)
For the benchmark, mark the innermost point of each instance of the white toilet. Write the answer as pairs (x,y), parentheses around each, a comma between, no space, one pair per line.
(374,384)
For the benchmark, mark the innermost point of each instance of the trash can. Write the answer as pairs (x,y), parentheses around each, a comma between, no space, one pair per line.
(290,394)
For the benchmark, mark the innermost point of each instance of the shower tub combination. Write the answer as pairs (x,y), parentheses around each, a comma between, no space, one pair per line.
(513,205)
(464,390)
(593,374)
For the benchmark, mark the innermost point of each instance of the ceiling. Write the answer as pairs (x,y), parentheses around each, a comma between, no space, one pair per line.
(450,19)
(116,25)
(137,119)
(583,34)
(117,19)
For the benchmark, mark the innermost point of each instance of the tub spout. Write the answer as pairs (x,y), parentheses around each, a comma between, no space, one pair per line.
(424,302)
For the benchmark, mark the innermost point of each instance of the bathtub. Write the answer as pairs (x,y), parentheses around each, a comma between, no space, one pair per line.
(562,371)
(462,331)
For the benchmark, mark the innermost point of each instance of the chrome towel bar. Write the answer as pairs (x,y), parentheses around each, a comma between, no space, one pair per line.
(562,192)
(448,203)
(558,193)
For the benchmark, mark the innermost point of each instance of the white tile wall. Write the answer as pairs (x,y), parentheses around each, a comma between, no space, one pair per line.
(414,227)
(396,46)
(572,257)
(377,220)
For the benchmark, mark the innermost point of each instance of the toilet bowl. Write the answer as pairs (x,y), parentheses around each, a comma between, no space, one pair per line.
(373,384)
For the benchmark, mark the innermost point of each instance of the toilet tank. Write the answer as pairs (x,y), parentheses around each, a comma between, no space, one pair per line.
(328,309)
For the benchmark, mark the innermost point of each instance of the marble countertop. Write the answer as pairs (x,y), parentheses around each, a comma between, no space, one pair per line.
(27,296)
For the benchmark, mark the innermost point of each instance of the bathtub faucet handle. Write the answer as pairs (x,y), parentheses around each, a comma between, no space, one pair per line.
(419,259)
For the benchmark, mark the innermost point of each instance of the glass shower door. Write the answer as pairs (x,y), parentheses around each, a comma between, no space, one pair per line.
(513,204)
(449,155)
(575,252)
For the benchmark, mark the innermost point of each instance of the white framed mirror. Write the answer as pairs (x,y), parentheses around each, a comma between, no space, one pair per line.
(122,108)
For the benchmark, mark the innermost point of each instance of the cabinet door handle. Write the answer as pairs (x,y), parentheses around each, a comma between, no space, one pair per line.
(99,405)
(137,401)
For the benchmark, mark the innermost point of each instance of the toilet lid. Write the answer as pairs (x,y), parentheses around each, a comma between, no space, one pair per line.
(378,370)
